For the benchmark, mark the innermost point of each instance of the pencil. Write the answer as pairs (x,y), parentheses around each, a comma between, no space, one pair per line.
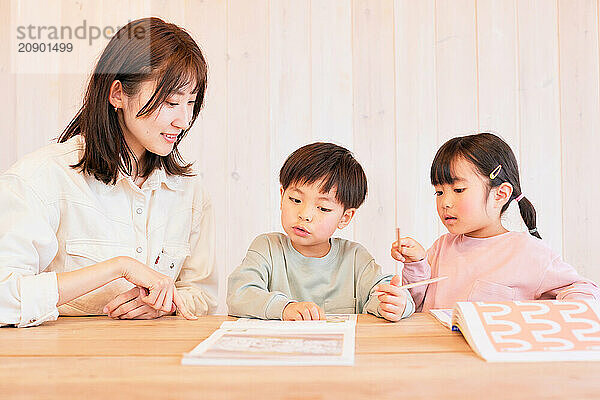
(425,282)
(414,284)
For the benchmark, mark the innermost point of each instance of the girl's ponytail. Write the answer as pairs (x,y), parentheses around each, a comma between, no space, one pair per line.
(528,214)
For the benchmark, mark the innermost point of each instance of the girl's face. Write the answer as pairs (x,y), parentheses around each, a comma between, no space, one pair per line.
(310,217)
(156,132)
(466,206)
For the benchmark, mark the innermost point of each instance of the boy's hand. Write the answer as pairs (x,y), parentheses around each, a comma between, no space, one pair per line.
(302,311)
(407,251)
(392,300)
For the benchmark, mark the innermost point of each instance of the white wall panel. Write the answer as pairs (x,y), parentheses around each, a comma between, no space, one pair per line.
(374,141)
(540,115)
(580,124)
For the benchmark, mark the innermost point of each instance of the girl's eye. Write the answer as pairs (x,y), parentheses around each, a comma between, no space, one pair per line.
(192,102)
(294,200)
(324,209)
(439,193)
(459,190)
(172,104)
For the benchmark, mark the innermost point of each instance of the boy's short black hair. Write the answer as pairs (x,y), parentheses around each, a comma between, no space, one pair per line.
(334,165)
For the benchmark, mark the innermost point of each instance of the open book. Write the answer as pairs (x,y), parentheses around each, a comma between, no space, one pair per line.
(444,317)
(543,330)
(260,342)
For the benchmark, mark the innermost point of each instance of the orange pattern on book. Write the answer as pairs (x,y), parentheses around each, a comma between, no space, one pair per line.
(550,325)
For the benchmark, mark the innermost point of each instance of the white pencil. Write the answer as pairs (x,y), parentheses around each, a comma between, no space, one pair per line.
(414,284)
(425,282)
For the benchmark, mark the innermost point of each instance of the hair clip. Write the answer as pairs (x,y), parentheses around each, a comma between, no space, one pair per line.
(532,231)
(519,197)
(495,172)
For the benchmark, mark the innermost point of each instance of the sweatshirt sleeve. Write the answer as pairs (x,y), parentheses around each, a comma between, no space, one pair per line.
(370,277)
(561,281)
(248,292)
(28,296)
(197,282)
(415,272)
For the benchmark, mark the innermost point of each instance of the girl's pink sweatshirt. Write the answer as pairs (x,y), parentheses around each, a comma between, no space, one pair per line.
(510,266)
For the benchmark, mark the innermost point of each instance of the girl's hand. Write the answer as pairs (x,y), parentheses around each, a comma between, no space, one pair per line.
(302,311)
(392,300)
(407,251)
(129,305)
(162,293)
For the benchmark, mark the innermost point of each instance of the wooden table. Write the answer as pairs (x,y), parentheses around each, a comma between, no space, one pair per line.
(96,357)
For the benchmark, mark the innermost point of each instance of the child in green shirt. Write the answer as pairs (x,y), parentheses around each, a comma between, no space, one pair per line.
(305,273)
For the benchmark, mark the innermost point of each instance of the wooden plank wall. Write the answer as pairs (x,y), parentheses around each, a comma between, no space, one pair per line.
(391,80)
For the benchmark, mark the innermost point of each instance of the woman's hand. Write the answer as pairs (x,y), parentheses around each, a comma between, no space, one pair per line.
(129,305)
(162,293)
(407,250)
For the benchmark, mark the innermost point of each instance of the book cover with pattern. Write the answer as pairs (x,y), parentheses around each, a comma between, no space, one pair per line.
(542,330)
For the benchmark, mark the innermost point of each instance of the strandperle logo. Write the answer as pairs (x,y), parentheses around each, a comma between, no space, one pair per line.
(83,31)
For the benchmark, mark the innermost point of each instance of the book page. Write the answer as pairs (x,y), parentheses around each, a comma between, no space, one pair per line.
(273,342)
(443,315)
(332,321)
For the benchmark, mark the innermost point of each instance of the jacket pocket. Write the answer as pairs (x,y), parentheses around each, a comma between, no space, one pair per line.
(490,291)
(171,258)
(85,252)
(340,306)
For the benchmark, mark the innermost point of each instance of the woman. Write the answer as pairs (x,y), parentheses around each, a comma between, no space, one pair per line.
(113,198)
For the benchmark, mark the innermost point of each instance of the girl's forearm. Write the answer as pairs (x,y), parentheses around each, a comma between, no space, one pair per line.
(74,284)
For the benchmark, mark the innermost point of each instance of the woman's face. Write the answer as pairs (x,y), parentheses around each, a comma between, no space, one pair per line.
(156,132)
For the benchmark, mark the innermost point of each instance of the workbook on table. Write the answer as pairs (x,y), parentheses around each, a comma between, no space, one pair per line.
(270,342)
(542,330)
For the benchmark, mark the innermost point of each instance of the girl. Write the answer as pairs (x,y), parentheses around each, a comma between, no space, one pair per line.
(475,178)
(113,198)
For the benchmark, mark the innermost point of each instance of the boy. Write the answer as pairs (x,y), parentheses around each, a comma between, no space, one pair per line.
(304,274)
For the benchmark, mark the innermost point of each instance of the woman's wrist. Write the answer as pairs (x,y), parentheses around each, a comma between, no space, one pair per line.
(120,266)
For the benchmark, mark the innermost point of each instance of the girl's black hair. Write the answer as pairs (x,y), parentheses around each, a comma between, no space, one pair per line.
(486,152)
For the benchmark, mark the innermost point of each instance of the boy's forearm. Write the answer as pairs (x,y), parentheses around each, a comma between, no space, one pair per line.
(256,303)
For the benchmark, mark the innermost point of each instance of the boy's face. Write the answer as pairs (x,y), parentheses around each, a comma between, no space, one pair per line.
(310,217)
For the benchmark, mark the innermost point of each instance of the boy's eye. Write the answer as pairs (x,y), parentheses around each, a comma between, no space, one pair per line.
(324,209)
(438,192)
(459,190)
(294,200)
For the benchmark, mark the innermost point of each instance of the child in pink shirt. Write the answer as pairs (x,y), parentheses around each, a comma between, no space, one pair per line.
(475,178)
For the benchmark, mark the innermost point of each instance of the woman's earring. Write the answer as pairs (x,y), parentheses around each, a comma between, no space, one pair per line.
(116,109)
